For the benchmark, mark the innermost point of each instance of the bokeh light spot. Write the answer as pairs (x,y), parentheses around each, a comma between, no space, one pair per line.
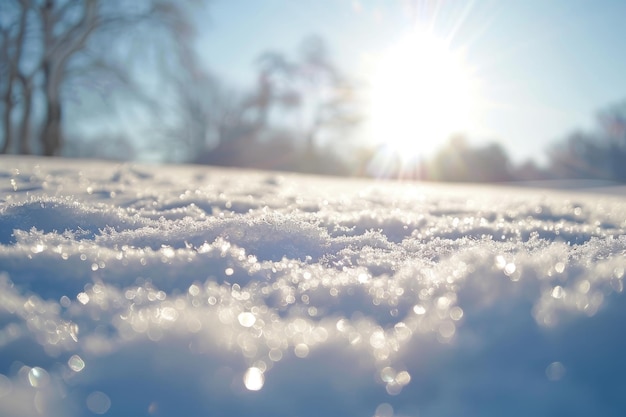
(254,379)
(555,371)
(38,377)
(301,350)
(76,363)
(98,402)
(246,319)
(384,410)
(83,298)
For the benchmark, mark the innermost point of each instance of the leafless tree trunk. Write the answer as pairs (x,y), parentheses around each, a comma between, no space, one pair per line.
(59,48)
(6,118)
(25,123)
(12,49)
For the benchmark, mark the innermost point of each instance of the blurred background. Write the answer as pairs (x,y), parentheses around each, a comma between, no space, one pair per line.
(438,90)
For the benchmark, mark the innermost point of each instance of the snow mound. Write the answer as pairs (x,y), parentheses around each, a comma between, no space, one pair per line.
(167,291)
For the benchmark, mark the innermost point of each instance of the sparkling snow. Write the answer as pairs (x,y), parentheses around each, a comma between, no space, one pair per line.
(137,290)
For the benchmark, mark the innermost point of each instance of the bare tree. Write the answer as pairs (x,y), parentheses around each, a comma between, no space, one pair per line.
(612,122)
(12,39)
(324,98)
(597,154)
(276,125)
(207,115)
(42,41)
(460,162)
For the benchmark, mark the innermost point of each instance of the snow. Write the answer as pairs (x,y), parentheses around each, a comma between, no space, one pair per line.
(146,290)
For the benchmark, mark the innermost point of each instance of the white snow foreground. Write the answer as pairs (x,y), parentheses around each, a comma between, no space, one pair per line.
(132,290)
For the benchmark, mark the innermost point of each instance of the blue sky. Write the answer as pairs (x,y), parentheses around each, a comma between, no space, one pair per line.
(544,67)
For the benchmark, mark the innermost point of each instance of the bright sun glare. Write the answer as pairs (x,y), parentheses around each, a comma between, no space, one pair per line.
(422,93)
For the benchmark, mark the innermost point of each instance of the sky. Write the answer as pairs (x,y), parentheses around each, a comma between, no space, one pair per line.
(537,70)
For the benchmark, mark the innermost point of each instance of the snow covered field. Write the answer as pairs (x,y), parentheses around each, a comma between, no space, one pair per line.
(131,290)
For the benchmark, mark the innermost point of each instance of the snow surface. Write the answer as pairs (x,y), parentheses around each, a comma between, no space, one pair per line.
(132,290)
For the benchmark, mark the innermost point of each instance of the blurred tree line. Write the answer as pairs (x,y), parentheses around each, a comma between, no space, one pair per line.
(67,66)
(294,118)
(599,154)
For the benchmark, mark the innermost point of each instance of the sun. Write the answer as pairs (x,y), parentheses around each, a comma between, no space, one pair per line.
(422,93)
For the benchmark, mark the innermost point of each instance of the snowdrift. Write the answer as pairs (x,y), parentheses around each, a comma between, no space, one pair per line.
(138,290)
